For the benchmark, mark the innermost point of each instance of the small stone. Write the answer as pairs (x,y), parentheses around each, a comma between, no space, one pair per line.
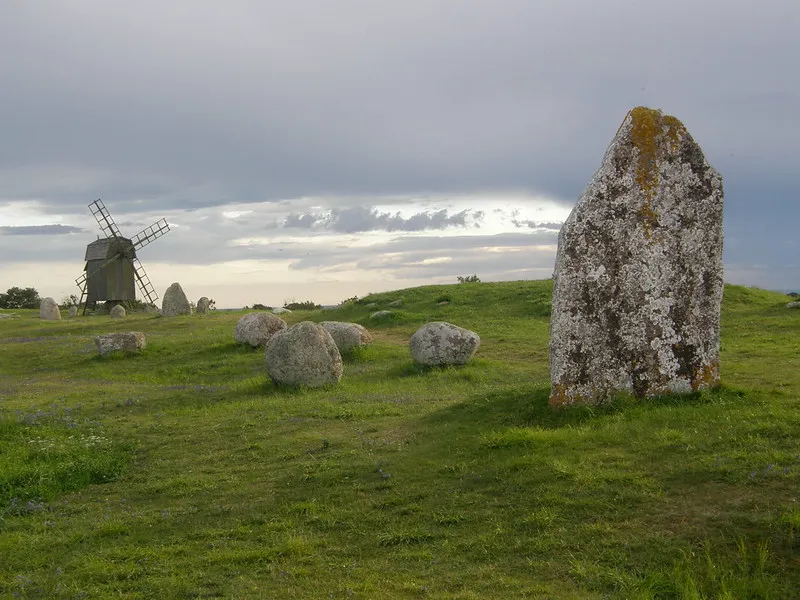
(439,343)
(175,302)
(117,312)
(381,315)
(73,311)
(348,336)
(794,304)
(280,310)
(303,355)
(257,328)
(395,303)
(203,305)
(48,310)
(132,342)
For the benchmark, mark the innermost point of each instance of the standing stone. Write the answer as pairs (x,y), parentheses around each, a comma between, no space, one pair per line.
(48,310)
(117,312)
(303,355)
(202,305)
(73,311)
(638,279)
(175,302)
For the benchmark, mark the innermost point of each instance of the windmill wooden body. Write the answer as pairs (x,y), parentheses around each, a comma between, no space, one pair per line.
(113,270)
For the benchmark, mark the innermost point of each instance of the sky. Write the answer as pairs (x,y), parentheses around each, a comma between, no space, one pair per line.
(319,150)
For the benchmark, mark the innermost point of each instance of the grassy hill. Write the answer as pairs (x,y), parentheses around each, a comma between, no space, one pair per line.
(184,473)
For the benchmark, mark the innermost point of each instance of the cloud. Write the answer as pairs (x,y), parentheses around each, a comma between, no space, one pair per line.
(359,219)
(531,224)
(39,230)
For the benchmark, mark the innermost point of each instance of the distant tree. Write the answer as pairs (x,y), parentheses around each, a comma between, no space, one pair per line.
(258,306)
(17,297)
(468,279)
(307,305)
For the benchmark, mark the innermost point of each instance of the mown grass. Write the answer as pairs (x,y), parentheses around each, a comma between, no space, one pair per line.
(400,482)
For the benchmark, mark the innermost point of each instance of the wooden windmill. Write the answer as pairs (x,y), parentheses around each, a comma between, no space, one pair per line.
(112,269)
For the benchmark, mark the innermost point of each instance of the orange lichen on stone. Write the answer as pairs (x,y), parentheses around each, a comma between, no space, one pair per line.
(706,376)
(651,131)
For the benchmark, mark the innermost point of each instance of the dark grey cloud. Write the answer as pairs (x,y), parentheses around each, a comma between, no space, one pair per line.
(39,230)
(177,106)
(360,219)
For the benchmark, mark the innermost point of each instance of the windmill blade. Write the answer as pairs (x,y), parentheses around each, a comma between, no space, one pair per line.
(147,289)
(103,218)
(148,234)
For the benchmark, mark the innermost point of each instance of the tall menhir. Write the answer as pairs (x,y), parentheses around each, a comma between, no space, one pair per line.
(638,279)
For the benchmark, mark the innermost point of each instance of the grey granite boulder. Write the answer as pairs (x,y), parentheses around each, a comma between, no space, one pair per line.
(439,343)
(303,355)
(348,336)
(48,310)
(73,311)
(117,312)
(381,315)
(395,303)
(257,327)
(203,305)
(131,342)
(638,277)
(280,310)
(175,302)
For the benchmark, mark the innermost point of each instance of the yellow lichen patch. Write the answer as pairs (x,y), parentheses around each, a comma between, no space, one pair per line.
(705,376)
(653,134)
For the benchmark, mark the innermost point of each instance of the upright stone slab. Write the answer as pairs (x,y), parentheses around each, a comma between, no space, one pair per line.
(638,279)
(48,310)
(175,302)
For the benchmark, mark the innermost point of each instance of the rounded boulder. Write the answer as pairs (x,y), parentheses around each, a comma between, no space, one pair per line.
(257,328)
(439,344)
(117,312)
(303,355)
(348,336)
(203,305)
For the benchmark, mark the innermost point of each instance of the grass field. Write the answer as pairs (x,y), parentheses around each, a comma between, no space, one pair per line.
(184,473)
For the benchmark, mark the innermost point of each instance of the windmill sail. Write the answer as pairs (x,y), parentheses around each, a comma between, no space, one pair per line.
(148,234)
(147,289)
(103,218)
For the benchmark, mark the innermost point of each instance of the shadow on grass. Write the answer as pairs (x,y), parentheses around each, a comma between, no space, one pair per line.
(528,406)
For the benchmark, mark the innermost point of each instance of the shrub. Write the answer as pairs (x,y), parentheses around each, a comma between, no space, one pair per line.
(468,279)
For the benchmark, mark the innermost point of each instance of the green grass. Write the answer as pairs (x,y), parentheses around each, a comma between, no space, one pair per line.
(184,473)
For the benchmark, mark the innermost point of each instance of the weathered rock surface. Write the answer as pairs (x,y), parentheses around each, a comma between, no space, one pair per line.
(203,305)
(48,310)
(793,304)
(381,315)
(638,278)
(131,342)
(395,303)
(73,311)
(117,312)
(303,355)
(257,327)
(175,302)
(280,310)
(439,343)
(348,336)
